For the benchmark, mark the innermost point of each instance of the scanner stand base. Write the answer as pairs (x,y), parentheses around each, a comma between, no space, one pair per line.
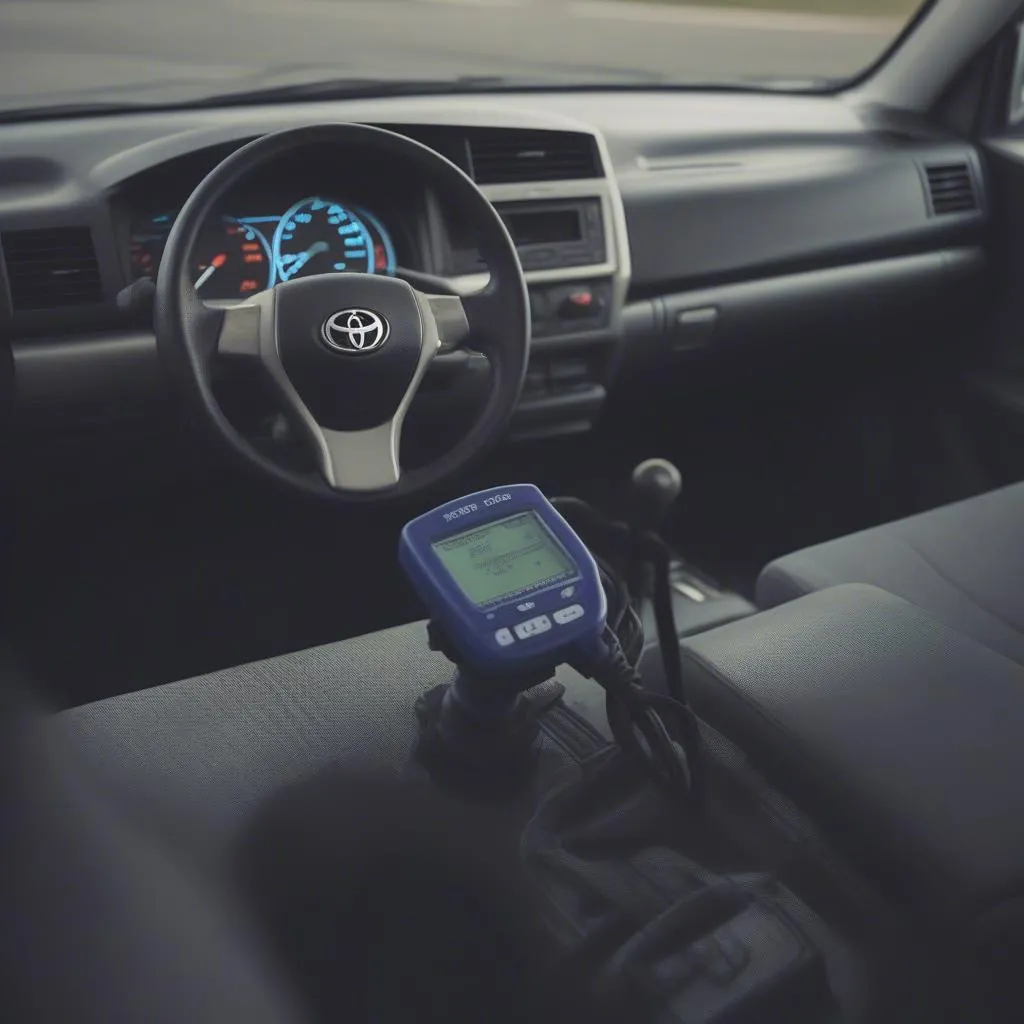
(478,734)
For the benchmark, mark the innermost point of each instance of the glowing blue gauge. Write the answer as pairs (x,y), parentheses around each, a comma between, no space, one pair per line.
(320,236)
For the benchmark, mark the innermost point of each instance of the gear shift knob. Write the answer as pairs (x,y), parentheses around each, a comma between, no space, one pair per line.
(655,486)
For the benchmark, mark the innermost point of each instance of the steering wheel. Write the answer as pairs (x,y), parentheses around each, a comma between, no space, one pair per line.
(346,353)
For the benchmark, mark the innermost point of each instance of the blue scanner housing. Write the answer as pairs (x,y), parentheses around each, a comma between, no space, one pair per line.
(508,580)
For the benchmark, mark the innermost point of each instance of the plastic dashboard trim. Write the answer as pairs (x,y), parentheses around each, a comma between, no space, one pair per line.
(51,369)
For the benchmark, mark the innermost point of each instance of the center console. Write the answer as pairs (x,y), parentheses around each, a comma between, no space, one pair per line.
(566,253)
(572,244)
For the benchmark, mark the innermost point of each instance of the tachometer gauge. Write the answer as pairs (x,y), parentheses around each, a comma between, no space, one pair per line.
(146,246)
(319,236)
(231,260)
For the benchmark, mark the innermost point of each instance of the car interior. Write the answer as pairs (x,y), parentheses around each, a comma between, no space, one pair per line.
(758,351)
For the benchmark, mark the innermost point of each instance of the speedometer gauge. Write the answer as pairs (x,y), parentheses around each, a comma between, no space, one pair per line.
(319,236)
(231,260)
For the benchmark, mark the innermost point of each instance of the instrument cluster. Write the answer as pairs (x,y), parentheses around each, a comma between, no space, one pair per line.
(241,252)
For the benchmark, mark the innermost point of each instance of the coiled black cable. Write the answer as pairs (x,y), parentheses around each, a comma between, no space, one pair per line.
(660,733)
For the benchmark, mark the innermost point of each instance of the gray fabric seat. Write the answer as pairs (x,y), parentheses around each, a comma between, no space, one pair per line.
(964,563)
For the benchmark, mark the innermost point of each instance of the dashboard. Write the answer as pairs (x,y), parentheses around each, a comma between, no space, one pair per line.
(651,227)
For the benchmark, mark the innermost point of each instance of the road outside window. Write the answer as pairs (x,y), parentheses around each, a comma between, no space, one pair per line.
(137,53)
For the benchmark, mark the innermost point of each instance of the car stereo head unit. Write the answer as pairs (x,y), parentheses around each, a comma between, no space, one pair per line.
(556,233)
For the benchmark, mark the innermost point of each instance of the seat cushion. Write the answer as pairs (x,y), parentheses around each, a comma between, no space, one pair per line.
(901,738)
(964,563)
(202,756)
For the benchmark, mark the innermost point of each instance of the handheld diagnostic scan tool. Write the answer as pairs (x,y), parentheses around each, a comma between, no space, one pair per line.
(508,581)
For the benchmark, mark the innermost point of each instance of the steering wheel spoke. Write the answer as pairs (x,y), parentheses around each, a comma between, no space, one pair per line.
(450,319)
(484,312)
(362,460)
(239,336)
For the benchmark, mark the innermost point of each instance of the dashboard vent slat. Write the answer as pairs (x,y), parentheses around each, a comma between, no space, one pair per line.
(500,156)
(51,268)
(951,188)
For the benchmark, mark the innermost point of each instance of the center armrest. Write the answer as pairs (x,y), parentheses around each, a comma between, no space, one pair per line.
(903,738)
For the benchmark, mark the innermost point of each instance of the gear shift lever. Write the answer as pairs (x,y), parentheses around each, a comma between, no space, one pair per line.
(654,488)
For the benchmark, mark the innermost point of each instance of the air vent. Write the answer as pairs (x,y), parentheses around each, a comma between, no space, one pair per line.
(51,269)
(499,156)
(951,188)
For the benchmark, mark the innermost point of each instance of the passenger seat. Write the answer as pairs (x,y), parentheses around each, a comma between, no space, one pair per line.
(964,563)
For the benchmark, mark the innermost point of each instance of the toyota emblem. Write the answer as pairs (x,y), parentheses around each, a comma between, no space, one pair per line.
(355,332)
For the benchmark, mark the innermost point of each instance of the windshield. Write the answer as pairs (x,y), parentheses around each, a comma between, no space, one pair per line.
(174,52)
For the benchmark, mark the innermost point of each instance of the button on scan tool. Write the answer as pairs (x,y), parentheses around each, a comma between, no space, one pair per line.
(504,638)
(533,627)
(566,615)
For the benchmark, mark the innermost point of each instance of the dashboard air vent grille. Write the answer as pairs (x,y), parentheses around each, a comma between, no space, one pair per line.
(951,188)
(51,268)
(513,155)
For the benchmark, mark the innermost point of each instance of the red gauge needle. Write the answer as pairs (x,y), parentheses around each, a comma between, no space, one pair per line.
(216,263)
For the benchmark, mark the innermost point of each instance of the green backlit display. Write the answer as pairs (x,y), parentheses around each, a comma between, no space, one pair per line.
(504,558)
